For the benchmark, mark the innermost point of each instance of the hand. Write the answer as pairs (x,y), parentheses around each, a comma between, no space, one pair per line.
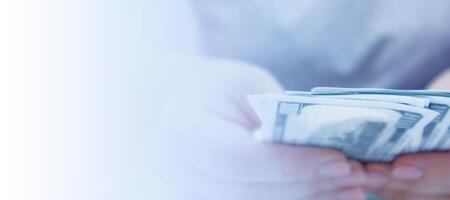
(206,149)
(442,82)
(421,176)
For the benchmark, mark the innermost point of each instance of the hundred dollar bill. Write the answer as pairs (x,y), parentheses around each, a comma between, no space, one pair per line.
(436,133)
(335,90)
(445,143)
(416,101)
(363,130)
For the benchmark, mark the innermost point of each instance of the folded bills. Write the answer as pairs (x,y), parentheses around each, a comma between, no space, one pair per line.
(364,123)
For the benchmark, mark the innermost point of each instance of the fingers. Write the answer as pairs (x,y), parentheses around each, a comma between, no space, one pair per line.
(433,164)
(224,158)
(241,168)
(427,173)
(229,152)
(217,159)
(421,174)
(357,177)
(193,182)
(231,95)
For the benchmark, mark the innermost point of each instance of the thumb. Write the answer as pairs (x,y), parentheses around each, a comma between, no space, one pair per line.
(233,81)
(442,82)
(261,82)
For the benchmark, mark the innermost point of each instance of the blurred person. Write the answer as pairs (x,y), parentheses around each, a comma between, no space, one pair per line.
(206,150)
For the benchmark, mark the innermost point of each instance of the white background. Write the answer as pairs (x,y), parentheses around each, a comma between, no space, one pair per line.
(79,86)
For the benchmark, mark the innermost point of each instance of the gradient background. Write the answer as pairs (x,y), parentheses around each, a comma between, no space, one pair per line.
(79,93)
(81,83)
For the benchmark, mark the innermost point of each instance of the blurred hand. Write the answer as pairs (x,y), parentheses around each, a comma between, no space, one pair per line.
(206,150)
(421,176)
(442,82)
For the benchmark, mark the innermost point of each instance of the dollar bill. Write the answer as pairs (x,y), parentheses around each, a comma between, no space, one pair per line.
(367,130)
(417,101)
(444,144)
(335,90)
(436,134)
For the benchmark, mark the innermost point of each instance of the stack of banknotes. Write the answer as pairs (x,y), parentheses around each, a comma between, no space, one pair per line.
(366,124)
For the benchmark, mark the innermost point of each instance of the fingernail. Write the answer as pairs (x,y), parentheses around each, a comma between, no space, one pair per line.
(335,169)
(377,179)
(407,172)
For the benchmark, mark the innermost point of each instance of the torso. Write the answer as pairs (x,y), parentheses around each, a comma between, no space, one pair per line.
(339,43)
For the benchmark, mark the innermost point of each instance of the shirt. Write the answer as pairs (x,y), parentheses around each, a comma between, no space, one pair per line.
(401,44)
